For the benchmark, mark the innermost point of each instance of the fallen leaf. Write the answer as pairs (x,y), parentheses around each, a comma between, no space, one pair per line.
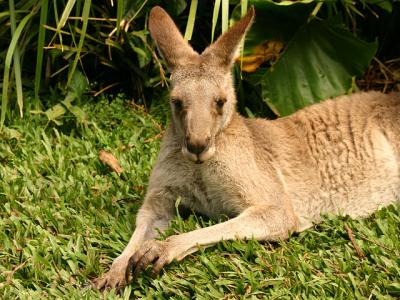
(110,161)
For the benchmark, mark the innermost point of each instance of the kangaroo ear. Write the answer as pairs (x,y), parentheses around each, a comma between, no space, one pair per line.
(170,42)
(224,50)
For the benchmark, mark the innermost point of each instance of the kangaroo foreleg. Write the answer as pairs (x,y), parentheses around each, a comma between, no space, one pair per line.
(258,222)
(152,219)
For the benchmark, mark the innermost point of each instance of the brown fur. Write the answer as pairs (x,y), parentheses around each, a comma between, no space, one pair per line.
(341,156)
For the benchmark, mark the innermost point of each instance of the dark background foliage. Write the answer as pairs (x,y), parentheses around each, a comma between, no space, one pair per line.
(314,41)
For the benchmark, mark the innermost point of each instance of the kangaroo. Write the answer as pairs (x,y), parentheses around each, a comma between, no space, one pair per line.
(271,177)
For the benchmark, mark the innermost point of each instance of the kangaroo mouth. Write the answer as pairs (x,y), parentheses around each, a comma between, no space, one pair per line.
(201,157)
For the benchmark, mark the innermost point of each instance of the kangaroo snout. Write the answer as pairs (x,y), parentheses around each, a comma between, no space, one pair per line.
(198,149)
(197,145)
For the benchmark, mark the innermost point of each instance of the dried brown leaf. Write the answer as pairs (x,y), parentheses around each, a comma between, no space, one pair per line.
(110,161)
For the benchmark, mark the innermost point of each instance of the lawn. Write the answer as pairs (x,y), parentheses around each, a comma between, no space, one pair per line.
(64,216)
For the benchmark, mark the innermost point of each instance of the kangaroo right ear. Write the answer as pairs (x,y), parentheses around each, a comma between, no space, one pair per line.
(170,42)
(223,51)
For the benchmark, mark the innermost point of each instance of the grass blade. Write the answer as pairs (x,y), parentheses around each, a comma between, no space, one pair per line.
(66,13)
(120,11)
(225,15)
(4,14)
(64,17)
(243,7)
(40,50)
(58,32)
(191,20)
(7,65)
(217,6)
(17,60)
(85,19)
(78,7)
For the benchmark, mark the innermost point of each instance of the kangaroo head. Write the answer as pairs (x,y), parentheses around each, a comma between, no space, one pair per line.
(203,98)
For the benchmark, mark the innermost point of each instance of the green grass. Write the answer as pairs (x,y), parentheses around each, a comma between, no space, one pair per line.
(64,217)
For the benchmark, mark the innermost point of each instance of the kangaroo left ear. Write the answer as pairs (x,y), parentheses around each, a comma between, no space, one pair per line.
(175,50)
(224,50)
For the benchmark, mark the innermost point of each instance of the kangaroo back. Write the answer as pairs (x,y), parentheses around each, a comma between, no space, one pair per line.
(352,146)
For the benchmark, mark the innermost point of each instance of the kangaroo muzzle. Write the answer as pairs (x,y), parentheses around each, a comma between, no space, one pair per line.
(198,149)
(197,146)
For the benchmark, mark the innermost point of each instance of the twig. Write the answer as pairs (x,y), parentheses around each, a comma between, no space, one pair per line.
(93,19)
(14,270)
(360,253)
(157,136)
(106,88)
(376,243)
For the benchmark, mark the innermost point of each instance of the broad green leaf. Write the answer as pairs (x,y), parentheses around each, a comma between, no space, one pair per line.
(76,89)
(55,113)
(274,21)
(79,114)
(77,85)
(319,62)
(175,7)
(384,4)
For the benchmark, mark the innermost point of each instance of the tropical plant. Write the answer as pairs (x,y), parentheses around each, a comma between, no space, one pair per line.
(44,43)
(300,52)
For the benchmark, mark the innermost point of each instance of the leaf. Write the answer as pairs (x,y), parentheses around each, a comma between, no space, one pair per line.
(175,7)
(120,12)
(319,62)
(384,4)
(11,133)
(85,20)
(394,289)
(67,11)
(225,15)
(79,114)
(77,85)
(217,6)
(137,45)
(76,88)
(268,50)
(40,50)
(274,21)
(55,112)
(191,20)
(17,61)
(110,161)
(7,65)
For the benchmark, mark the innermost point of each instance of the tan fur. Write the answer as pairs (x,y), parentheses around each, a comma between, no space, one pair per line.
(341,156)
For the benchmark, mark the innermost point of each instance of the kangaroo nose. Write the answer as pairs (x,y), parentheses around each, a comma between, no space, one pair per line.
(196,146)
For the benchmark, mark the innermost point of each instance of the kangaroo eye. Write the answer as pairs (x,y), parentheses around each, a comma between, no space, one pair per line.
(177,103)
(220,103)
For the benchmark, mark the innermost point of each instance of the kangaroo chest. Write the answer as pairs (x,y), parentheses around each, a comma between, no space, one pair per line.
(210,191)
